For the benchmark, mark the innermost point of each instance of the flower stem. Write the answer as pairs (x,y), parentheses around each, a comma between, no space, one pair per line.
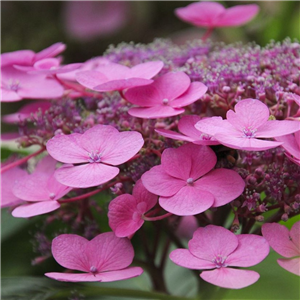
(157,218)
(207,34)
(21,161)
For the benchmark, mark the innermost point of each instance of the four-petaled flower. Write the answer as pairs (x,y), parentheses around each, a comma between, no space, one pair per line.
(91,157)
(105,258)
(214,247)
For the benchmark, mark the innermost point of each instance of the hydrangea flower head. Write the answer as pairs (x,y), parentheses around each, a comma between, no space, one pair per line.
(90,158)
(186,183)
(245,127)
(105,258)
(213,14)
(214,247)
(165,97)
(125,213)
(286,243)
(116,77)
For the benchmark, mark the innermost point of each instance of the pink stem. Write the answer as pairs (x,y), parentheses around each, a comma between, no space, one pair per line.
(157,218)
(21,161)
(207,33)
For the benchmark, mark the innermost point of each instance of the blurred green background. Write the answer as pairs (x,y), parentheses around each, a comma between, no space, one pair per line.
(38,24)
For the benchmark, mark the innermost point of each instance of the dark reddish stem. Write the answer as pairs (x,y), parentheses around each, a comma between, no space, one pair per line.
(21,161)
(157,218)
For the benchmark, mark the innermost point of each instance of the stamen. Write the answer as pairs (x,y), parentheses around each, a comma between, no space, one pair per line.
(93,269)
(94,157)
(165,101)
(220,261)
(249,132)
(190,181)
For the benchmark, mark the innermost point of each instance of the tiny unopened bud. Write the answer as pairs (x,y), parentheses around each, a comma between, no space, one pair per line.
(284,217)
(295,206)
(259,171)
(287,209)
(226,89)
(259,218)
(251,179)
(262,208)
(297,198)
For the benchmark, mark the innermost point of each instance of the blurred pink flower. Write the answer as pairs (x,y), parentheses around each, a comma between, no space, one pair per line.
(105,258)
(213,14)
(214,247)
(125,212)
(116,77)
(97,151)
(244,127)
(165,97)
(87,20)
(286,243)
(186,183)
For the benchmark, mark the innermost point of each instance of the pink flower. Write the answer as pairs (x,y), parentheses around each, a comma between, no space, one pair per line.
(189,133)
(105,258)
(187,226)
(213,14)
(165,97)
(48,66)
(26,111)
(286,243)
(186,183)
(8,179)
(244,127)
(214,247)
(40,189)
(17,85)
(125,212)
(95,154)
(291,143)
(116,77)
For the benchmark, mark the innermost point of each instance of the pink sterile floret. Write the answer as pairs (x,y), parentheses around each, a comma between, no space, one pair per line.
(186,183)
(165,97)
(213,14)
(48,66)
(26,111)
(286,243)
(214,247)
(189,133)
(8,179)
(244,127)
(40,189)
(105,258)
(116,77)
(17,85)
(291,143)
(125,213)
(93,153)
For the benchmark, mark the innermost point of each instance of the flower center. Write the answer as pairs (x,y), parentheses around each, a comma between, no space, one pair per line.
(219,261)
(52,196)
(94,157)
(165,101)
(13,85)
(93,269)
(190,181)
(248,132)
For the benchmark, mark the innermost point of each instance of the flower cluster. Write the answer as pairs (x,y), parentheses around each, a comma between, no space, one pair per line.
(192,136)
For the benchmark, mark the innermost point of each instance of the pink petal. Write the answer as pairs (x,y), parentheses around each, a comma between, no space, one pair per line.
(67,148)
(9,96)
(107,252)
(158,182)
(195,91)
(277,128)
(22,57)
(238,15)
(155,112)
(187,226)
(244,112)
(68,251)
(201,14)
(184,258)
(290,144)
(295,234)
(74,277)
(46,165)
(87,175)
(120,274)
(51,51)
(146,70)
(211,241)
(121,212)
(114,71)
(225,185)
(230,278)
(188,161)
(252,249)
(186,125)
(248,144)
(90,79)
(142,195)
(292,265)
(35,209)
(187,201)
(278,236)
(215,125)
(121,84)
(174,135)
